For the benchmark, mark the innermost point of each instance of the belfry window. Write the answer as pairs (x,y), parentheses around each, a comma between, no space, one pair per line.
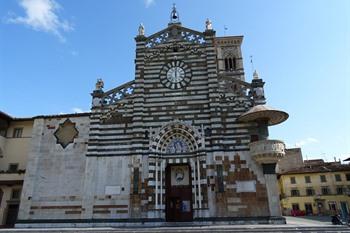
(230,63)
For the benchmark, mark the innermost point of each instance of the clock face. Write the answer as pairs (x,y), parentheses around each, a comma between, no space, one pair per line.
(175,75)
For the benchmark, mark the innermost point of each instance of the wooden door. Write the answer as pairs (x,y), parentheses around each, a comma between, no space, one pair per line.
(12,212)
(308,209)
(178,193)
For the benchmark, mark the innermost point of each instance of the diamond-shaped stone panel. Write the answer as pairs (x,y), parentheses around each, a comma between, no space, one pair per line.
(66,133)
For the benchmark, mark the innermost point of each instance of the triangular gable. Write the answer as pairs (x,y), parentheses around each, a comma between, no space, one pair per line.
(175,32)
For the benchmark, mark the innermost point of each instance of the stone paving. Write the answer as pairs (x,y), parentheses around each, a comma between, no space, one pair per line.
(294,224)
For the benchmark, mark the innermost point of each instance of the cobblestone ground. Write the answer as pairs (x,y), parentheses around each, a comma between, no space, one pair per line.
(294,224)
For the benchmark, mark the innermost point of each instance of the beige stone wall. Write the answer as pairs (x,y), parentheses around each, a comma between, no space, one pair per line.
(27,126)
(15,150)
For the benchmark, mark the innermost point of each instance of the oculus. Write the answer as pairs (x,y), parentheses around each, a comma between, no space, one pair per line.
(66,133)
(175,75)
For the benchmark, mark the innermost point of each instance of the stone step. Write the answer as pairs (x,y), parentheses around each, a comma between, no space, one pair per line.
(215,229)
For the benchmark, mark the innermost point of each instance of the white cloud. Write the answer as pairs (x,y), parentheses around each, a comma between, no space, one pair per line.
(41,15)
(148,3)
(77,110)
(306,141)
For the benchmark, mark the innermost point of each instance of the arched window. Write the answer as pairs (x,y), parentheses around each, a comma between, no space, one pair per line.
(230,63)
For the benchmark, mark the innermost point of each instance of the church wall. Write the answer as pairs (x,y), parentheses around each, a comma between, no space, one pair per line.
(54,179)
(243,192)
(107,187)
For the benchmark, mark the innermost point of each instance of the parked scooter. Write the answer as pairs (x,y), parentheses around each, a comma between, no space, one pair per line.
(337,220)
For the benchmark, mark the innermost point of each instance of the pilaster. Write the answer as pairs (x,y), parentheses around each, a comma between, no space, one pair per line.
(30,179)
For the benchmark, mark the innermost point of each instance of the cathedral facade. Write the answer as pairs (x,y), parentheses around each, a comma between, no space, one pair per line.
(186,140)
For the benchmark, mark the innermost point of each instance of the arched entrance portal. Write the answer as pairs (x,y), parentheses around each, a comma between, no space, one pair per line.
(177,158)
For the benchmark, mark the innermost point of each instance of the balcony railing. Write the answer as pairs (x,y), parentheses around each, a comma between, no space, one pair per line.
(267,151)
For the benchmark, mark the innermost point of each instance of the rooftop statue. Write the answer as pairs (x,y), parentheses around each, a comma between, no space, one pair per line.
(99,84)
(141,30)
(208,25)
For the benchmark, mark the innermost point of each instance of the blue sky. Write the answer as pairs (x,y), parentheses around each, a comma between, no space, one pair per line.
(52,52)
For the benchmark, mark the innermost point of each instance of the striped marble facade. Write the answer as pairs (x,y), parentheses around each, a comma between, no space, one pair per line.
(203,113)
(115,170)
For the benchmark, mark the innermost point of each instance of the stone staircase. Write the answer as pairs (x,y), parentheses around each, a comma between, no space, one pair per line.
(179,229)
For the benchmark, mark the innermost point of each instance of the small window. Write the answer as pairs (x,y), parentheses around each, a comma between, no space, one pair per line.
(340,190)
(348,176)
(294,193)
(325,190)
(332,205)
(295,206)
(310,192)
(17,132)
(337,177)
(307,179)
(323,178)
(13,167)
(292,180)
(16,194)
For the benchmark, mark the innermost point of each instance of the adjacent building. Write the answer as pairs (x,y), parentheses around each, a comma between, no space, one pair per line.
(316,188)
(15,139)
